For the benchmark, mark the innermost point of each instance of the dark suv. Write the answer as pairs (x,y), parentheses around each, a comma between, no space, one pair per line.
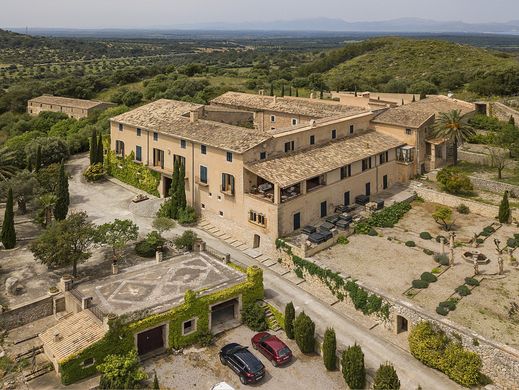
(242,362)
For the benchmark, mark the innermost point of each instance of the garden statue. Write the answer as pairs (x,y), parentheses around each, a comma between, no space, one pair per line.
(475,241)
(498,248)
(476,267)
(442,240)
(451,240)
(500,264)
(451,257)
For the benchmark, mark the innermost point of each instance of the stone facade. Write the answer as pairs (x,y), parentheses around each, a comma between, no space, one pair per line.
(28,312)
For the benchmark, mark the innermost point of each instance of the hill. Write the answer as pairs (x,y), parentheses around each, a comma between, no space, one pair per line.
(416,66)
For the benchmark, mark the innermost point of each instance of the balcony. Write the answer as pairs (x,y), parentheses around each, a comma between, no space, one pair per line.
(264,191)
(405,154)
(290,193)
(315,183)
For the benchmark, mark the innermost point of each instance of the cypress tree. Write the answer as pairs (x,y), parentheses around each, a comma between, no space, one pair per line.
(330,349)
(290,315)
(504,209)
(289,90)
(414,98)
(29,165)
(93,147)
(271,90)
(155,382)
(353,369)
(282,90)
(38,158)
(297,92)
(8,236)
(173,209)
(304,332)
(386,378)
(100,150)
(62,195)
(181,189)
(511,121)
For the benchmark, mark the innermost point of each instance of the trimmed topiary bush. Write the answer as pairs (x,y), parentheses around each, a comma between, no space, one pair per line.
(428,252)
(421,284)
(343,240)
(463,290)
(442,259)
(428,277)
(463,209)
(353,369)
(330,350)
(290,315)
(441,310)
(425,236)
(449,304)
(144,249)
(471,282)
(304,332)
(386,378)
(94,172)
(479,241)
(410,244)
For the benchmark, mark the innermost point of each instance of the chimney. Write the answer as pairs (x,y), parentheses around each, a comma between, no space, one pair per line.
(193,116)
(275,99)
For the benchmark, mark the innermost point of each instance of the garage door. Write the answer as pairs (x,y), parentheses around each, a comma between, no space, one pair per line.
(150,340)
(224,312)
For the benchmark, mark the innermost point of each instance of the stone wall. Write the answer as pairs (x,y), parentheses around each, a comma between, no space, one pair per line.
(500,362)
(494,186)
(473,158)
(445,199)
(26,313)
(502,112)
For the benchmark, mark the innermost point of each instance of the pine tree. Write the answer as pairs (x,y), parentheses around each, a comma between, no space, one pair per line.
(173,209)
(353,369)
(304,333)
(282,90)
(511,121)
(156,385)
(93,147)
(38,158)
(289,90)
(290,315)
(330,349)
(386,378)
(8,236)
(181,189)
(100,150)
(271,90)
(414,98)
(504,209)
(62,195)
(297,92)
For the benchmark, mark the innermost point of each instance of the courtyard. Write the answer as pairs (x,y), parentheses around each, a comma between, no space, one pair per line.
(385,262)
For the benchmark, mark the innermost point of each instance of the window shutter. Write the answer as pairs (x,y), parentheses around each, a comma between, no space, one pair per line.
(232,184)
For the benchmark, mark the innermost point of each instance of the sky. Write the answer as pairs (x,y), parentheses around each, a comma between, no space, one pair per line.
(171,13)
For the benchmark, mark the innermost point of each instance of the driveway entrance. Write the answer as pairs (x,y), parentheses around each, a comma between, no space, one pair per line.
(150,340)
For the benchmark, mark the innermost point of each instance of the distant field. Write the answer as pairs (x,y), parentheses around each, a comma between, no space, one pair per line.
(107,94)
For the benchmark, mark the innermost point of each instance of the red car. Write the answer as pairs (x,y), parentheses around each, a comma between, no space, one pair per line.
(273,348)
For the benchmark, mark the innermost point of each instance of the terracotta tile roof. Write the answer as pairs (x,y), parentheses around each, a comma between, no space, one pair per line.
(66,102)
(315,108)
(415,114)
(294,168)
(75,333)
(172,117)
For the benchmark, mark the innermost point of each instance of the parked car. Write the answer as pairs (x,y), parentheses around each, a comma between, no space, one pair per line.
(272,348)
(242,362)
(222,386)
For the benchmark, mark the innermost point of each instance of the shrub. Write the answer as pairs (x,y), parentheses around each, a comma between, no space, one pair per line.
(144,249)
(436,270)
(428,252)
(410,244)
(187,216)
(205,338)
(420,284)
(441,258)
(453,181)
(461,365)
(121,372)
(389,216)
(504,209)
(155,240)
(425,236)
(253,315)
(299,273)
(463,290)
(386,378)
(186,240)
(489,230)
(290,315)
(362,228)
(479,241)
(512,243)
(372,232)
(94,172)
(471,282)
(463,209)
(304,333)
(330,350)
(353,369)
(441,310)
(343,240)
(449,304)
(428,277)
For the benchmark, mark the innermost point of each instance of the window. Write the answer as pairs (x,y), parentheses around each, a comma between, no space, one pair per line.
(229,156)
(289,146)
(138,132)
(294,121)
(221,213)
(183,143)
(324,209)
(89,362)
(119,148)
(312,140)
(345,171)
(352,129)
(203,149)
(179,160)
(263,155)
(334,134)
(138,153)
(228,183)
(272,118)
(257,218)
(120,127)
(384,158)
(408,131)
(155,136)
(203,174)
(203,206)
(366,164)
(188,326)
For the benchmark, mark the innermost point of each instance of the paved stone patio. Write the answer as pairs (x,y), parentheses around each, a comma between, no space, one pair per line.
(159,285)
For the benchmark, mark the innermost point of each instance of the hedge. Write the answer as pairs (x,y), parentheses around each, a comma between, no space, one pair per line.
(120,337)
(386,218)
(471,282)
(463,290)
(428,277)
(432,347)
(421,284)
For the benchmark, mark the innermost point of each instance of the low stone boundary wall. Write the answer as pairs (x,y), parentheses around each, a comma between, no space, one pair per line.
(503,113)
(473,157)
(27,312)
(453,201)
(494,186)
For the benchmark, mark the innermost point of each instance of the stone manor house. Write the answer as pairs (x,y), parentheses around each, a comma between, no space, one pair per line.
(276,164)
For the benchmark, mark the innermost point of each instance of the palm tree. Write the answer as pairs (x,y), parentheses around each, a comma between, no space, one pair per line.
(7,167)
(453,126)
(47,203)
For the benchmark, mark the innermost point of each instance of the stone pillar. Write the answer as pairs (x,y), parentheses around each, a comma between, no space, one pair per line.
(500,265)
(199,246)
(115,269)
(451,257)
(277,194)
(442,241)
(159,256)
(66,282)
(227,258)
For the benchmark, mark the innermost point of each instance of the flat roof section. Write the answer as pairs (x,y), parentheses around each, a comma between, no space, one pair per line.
(161,286)
(66,102)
